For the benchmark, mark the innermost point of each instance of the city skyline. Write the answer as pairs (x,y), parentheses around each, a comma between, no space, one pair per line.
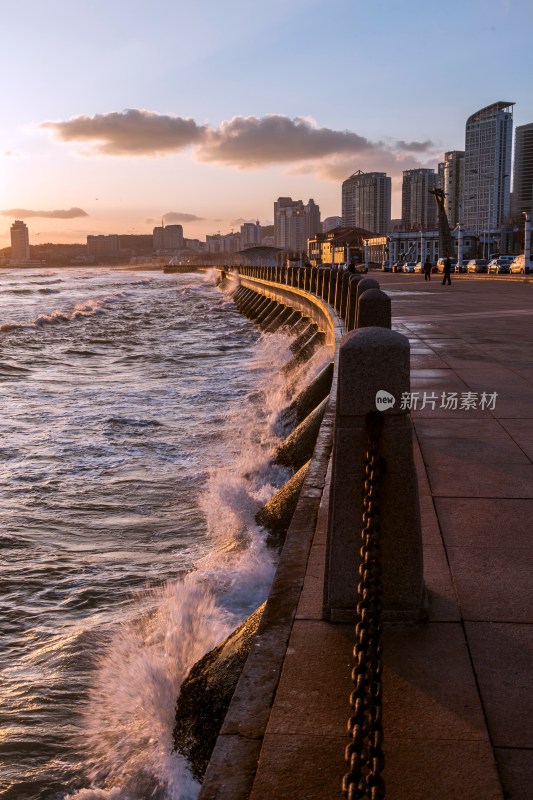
(220,120)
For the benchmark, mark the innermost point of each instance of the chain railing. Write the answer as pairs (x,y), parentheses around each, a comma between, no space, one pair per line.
(364,754)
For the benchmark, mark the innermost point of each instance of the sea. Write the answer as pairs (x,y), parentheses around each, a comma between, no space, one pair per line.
(139,413)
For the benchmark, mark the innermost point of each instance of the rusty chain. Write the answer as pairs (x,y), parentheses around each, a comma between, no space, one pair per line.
(364,754)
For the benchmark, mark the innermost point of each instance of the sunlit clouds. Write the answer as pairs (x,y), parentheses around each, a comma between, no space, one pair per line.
(242,142)
(26,213)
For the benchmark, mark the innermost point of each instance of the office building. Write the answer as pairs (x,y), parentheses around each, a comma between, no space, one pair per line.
(523,171)
(295,223)
(330,223)
(452,184)
(366,201)
(419,209)
(20,241)
(487,167)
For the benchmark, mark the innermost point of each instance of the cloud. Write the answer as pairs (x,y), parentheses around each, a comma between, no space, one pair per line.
(68,213)
(243,142)
(130,132)
(179,216)
(274,139)
(415,147)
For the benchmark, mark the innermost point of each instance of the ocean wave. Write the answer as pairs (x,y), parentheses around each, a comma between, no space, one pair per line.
(87,308)
(46,290)
(129,719)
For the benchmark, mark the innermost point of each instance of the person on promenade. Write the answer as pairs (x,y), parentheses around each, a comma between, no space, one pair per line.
(427,269)
(447,272)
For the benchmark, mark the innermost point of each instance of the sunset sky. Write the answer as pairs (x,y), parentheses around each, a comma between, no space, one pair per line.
(116,114)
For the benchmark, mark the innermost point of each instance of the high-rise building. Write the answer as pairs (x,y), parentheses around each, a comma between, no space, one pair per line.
(487,167)
(330,223)
(523,170)
(250,234)
(366,201)
(419,210)
(168,237)
(295,223)
(20,241)
(452,184)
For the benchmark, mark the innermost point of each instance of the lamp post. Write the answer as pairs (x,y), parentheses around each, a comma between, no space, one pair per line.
(527,240)
(366,255)
(459,248)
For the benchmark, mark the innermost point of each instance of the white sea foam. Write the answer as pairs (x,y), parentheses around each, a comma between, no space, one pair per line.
(87,308)
(129,719)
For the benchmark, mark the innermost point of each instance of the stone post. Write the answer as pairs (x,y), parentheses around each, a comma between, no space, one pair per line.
(374,309)
(373,360)
(351,302)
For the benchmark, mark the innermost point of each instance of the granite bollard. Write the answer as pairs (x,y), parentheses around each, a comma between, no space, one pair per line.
(374,309)
(374,360)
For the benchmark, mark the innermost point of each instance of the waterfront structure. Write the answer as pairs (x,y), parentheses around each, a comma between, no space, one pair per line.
(20,241)
(295,223)
(411,245)
(522,201)
(419,211)
(366,201)
(338,246)
(487,167)
(250,234)
(452,185)
(168,238)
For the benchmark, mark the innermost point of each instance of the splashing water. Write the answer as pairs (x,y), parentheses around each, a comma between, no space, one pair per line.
(130,716)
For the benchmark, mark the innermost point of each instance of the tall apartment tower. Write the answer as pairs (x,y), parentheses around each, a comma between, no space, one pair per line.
(366,201)
(523,170)
(168,237)
(20,241)
(250,234)
(295,223)
(419,209)
(487,168)
(452,183)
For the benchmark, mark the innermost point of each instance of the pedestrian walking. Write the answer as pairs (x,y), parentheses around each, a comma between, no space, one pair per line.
(447,272)
(427,269)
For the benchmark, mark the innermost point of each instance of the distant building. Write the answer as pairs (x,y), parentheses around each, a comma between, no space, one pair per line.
(366,201)
(20,241)
(338,246)
(295,223)
(168,238)
(250,234)
(452,183)
(223,243)
(419,210)
(487,167)
(100,246)
(523,171)
(331,222)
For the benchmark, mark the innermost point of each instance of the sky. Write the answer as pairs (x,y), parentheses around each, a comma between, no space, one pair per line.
(117,115)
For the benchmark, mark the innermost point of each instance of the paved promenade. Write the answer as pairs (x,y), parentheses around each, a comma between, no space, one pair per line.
(458,699)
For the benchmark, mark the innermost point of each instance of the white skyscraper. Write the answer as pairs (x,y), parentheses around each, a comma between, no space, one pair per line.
(366,201)
(295,223)
(487,167)
(523,170)
(419,210)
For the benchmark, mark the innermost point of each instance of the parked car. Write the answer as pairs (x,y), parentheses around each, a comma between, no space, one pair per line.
(440,264)
(409,266)
(518,266)
(463,265)
(386,266)
(419,267)
(500,266)
(477,265)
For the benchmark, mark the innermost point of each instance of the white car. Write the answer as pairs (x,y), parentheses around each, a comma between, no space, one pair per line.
(409,266)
